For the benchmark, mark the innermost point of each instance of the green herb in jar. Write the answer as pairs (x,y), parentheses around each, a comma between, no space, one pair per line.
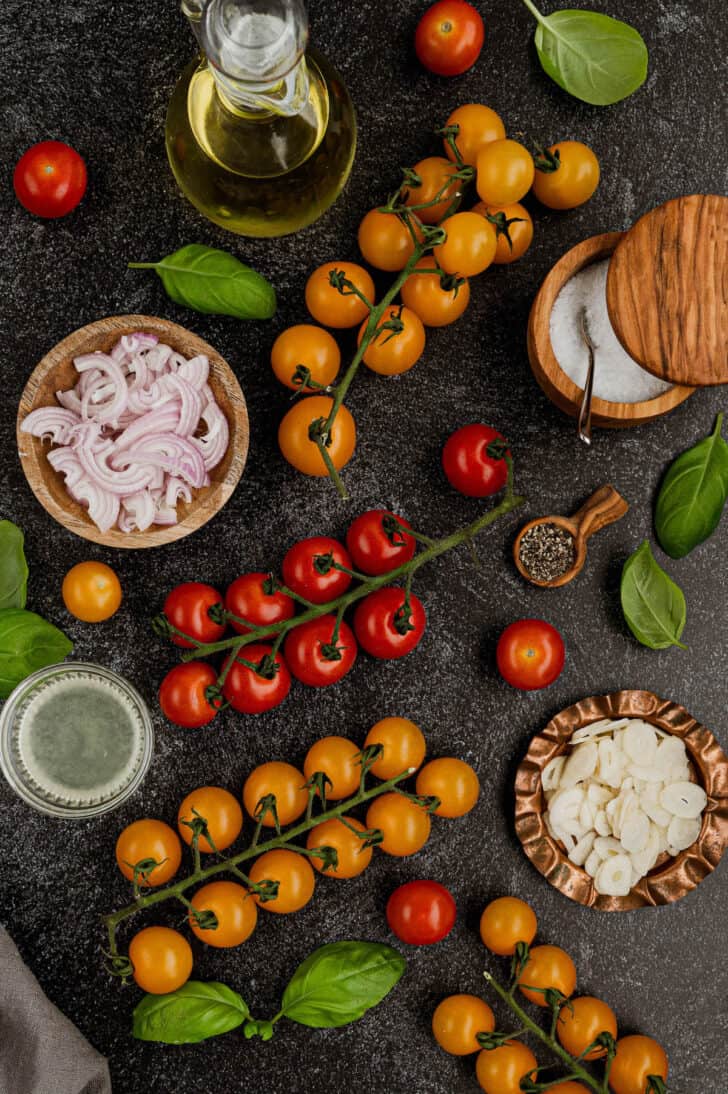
(547,552)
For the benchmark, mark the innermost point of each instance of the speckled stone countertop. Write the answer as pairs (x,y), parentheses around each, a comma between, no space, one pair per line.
(99,75)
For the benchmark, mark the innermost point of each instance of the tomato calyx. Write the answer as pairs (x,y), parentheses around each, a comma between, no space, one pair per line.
(496,1039)
(301,377)
(545,160)
(370,837)
(402,618)
(428,802)
(339,281)
(502,224)
(143,871)
(205,919)
(655,1085)
(118,965)
(497,449)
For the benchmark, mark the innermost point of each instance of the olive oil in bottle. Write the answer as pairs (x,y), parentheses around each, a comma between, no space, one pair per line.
(261,132)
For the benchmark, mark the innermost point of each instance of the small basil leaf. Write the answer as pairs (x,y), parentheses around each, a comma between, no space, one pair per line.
(693,495)
(27,643)
(193,1013)
(653,605)
(13,567)
(339,982)
(213,282)
(595,58)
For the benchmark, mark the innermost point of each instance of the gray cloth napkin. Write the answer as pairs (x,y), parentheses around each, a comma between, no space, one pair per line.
(41,1051)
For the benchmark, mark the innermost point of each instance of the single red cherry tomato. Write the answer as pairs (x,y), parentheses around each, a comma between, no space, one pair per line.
(377,543)
(473,460)
(308,569)
(421,912)
(50,179)
(315,657)
(449,37)
(183,695)
(384,628)
(249,598)
(253,690)
(188,609)
(530,654)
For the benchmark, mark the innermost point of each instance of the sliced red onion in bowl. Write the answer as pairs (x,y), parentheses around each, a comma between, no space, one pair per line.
(128,430)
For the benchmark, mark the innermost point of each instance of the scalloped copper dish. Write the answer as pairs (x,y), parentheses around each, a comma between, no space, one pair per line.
(668,881)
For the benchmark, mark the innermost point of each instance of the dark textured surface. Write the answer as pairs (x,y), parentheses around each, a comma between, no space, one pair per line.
(99,75)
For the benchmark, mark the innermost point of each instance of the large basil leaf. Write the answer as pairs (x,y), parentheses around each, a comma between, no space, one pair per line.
(193,1013)
(693,495)
(213,282)
(340,982)
(592,56)
(13,567)
(653,605)
(27,643)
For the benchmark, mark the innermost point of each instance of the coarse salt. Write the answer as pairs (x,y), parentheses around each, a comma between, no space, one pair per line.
(617,376)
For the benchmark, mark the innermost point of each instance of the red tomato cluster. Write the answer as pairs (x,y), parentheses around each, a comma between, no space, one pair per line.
(318,651)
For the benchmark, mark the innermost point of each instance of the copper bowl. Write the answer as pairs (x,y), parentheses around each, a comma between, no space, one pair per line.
(670,879)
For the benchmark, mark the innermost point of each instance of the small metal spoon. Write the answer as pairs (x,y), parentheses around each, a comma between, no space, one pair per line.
(584,423)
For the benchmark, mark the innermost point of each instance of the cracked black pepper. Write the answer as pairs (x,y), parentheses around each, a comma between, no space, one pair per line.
(547,551)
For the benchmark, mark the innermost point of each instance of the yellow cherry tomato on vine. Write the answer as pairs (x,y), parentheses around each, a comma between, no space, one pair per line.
(294,876)
(580,1023)
(567,174)
(404,824)
(162,959)
(282,780)
(423,293)
(234,909)
(337,757)
(504,172)
(220,809)
(637,1058)
(434,173)
(479,125)
(470,245)
(517,220)
(307,345)
(505,922)
(500,1070)
(145,840)
(333,308)
(353,856)
(452,781)
(390,353)
(303,453)
(456,1021)
(547,967)
(91,591)
(385,241)
(403,745)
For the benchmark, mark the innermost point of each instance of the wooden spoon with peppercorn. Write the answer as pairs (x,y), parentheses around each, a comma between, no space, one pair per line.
(551,551)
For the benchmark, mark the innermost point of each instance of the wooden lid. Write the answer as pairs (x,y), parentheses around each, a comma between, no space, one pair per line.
(667,290)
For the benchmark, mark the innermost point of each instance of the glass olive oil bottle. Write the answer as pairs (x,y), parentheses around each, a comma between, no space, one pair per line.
(261,132)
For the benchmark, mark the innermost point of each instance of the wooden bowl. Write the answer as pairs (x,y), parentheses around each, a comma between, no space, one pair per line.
(670,879)
(56,372)
(552,379)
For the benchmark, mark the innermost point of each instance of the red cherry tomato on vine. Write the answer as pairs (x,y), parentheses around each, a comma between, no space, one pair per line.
(375,550)
(383,628)
(50,179)
(530,654)
(421,912)
(449,37)
(248,599)
(182,694)
(473,460)
(314,657)
(187,608)
(308,569)
(254,690)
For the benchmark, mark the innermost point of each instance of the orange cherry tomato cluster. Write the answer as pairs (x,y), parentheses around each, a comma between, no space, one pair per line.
(224,913)
(545,975)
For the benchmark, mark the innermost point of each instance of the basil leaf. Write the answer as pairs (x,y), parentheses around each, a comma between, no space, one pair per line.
(693,495)
(213,282)
(27,643)
(191,1014)
(13,567)
(340,982)
(595,58)
(653,605)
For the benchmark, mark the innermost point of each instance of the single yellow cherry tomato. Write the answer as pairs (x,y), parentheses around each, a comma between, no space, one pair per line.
(547,967)
(294,876)
(308,346)
(434,174)
(580,1023)
(636,1059)
(161,958)
(504,172)
(458,1019)
(352,856)
(234,909)
(404,824)
(385,241)
(500,1070)
(423,293)
(91,591)
(506,922)
(567,174)
(478,126)
(301,451)
(392,352)
(330,306)
(470,245)
(452,781)
(338,758)
(403,747)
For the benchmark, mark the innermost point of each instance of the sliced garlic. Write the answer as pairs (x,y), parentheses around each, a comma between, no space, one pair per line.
(683,832)
(684,799)
(614,876)
(580,764)
(593,864)
(551,774)
(579,854)
(640,743)
(635,831)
